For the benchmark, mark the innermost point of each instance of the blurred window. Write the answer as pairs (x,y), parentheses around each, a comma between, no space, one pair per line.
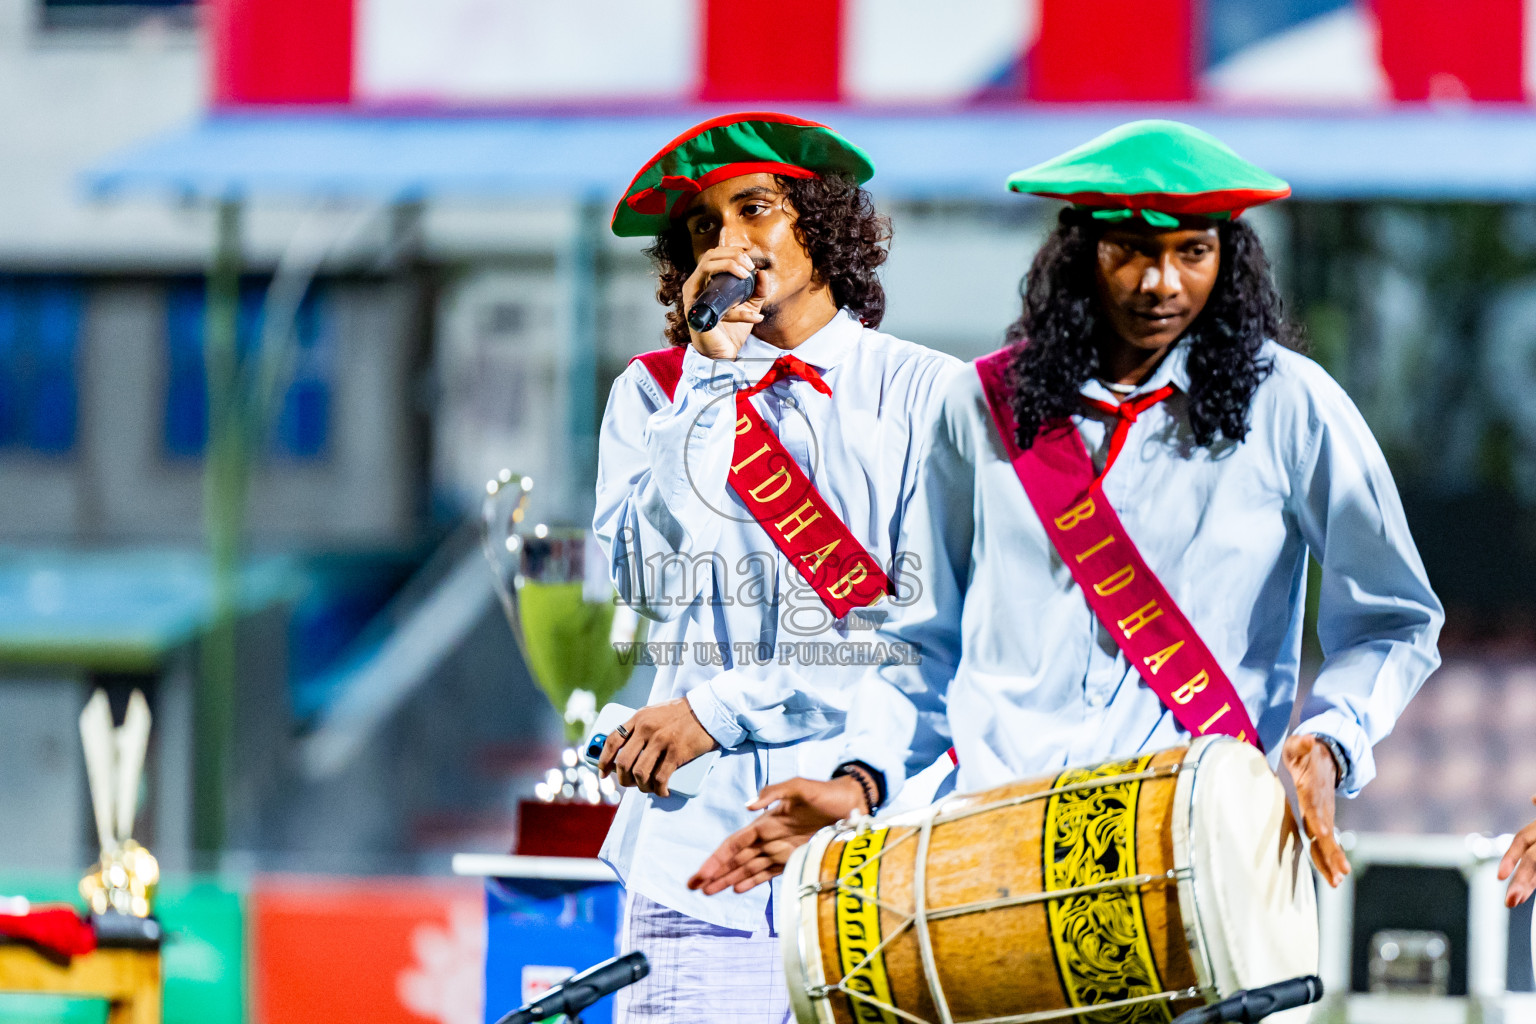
(300,423)
(39,337)
(116,13)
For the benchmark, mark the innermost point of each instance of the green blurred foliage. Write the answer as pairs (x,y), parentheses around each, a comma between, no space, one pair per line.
(1496,455)
(1420,311)
(1311,647)
(1326,325)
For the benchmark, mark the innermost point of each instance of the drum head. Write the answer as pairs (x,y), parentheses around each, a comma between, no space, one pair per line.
(1250,909)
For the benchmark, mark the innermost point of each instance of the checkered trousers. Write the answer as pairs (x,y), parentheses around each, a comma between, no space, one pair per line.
(700,973)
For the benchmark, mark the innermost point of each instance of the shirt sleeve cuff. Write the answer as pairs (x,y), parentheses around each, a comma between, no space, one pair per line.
(1362,766)
(723,375)
(714,716)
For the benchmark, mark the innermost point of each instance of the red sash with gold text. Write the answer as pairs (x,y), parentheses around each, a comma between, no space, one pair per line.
(1131,602)
(782,499)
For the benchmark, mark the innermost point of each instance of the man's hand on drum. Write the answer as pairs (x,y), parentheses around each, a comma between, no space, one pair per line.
(1520,862)
(1316,777)
(799,809)
(654,743)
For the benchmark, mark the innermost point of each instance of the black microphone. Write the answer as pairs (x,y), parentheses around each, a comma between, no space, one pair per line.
(721,293)
(580,991)
(1255,1004)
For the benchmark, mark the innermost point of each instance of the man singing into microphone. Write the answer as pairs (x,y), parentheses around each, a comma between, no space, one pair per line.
(1115,518)
(750,486)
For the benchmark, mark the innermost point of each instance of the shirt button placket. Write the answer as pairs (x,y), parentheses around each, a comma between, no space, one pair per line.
(793,432)
(788,581)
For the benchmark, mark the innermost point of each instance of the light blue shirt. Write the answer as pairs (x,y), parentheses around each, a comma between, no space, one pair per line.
(1018,673)
(686,554)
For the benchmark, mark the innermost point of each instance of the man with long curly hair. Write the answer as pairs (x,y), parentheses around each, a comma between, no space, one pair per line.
(1116,515)
(750,489)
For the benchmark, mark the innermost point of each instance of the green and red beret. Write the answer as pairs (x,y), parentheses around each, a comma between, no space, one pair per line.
(1158,170)
(726,147)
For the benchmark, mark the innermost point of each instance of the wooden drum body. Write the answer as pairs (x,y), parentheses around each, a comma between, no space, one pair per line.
(1140,887)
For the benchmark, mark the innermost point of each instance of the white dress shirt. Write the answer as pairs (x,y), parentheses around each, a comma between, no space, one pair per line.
(1018,673)
(685,554)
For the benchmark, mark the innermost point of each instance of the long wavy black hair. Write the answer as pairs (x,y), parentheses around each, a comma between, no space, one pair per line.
(835,220)
(1062,322)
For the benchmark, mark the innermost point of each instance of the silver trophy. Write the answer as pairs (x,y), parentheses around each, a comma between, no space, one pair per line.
(577,639)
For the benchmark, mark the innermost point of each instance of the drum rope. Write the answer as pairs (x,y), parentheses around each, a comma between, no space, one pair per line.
(920,914)
(896,933)
(1133,882)
(840,883)
(864,821)
(1160,772)
(826,990)
(823,991)
(1088,1010)
(855,891)
(907,920)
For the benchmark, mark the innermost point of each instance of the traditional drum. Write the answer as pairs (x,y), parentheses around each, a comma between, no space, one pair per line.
(1141,888)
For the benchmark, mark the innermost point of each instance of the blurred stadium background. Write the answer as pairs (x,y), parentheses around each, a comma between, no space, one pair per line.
(402,208)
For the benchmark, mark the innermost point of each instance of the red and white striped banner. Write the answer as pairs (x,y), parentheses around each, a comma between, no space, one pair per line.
(436,54)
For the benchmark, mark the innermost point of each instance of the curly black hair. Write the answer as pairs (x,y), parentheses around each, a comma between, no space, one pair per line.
(835,220)
(1061,322)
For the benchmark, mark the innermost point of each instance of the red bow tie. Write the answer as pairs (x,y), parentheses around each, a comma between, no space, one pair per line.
(1125,414)
(788,366)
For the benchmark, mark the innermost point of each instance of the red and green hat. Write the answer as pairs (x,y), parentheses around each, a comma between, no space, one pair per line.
(1159,170)
(725,147)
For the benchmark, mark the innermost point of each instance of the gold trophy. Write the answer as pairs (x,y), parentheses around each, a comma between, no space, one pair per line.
(577,639)
(125,877)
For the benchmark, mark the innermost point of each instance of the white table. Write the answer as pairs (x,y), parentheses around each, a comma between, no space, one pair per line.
(506,865)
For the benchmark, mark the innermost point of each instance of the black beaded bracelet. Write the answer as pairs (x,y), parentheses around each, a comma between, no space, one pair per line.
(861,774)
(1341,763)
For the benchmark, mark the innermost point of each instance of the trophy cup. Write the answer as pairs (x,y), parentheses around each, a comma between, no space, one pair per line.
(577,640)
(125,877)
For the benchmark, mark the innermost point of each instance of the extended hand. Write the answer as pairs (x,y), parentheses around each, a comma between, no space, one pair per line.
(1520,852)
(1316,777)
(725,341)
(661,739)
(754,854)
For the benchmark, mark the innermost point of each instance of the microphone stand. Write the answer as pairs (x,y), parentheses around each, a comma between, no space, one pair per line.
(1248,1006)
(579,991)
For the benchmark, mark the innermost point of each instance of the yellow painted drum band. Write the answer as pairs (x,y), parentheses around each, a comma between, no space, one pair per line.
(858,928)
(1099,938)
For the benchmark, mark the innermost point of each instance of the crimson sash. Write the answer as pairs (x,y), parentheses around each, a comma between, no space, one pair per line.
(1130,601)
(782,499)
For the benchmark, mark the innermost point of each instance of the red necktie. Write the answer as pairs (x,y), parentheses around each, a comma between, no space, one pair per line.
(787,366)
(1125,414)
